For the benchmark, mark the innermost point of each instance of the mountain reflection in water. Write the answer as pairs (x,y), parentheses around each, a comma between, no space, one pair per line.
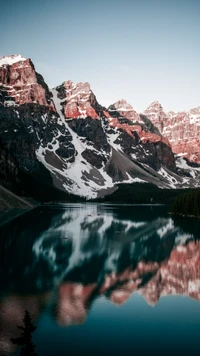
(65,258)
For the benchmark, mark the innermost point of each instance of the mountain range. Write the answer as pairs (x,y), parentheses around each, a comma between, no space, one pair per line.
(62,142)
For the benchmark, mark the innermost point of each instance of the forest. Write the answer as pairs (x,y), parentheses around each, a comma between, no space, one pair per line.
(187,203)
(137,193)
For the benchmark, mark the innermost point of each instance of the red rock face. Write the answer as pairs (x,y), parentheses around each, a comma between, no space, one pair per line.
(182,129)
(20,84)
(180,274)
(125,109)
(72,303)
(127,282)
(129,129)
(78,100)
(155,113)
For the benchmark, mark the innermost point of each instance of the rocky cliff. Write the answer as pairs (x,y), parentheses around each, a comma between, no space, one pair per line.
(182,129)
(20,83)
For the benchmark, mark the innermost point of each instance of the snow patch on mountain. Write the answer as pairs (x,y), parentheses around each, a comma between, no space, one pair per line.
(172,180)
(9,60)
(182,163)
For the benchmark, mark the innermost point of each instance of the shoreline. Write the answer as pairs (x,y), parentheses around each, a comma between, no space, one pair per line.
(10,215)
(185,216)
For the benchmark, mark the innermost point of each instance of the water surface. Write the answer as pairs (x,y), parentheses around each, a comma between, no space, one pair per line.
(99,279)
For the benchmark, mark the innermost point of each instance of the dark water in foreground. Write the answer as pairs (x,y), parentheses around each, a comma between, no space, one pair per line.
(102,280)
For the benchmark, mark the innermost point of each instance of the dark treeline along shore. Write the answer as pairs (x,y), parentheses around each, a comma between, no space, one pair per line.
(145,193)
(187,203)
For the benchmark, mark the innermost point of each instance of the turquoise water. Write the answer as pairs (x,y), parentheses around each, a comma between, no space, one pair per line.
(100,279)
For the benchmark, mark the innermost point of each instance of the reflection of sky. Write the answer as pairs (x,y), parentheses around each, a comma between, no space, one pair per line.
(173,324)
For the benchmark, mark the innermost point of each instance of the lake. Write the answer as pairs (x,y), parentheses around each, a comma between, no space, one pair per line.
(101,280)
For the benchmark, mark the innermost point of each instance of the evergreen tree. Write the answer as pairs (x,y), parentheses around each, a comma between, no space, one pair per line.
(187,203)
(25,340)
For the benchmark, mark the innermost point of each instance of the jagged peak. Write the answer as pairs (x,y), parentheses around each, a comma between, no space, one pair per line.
(122,109)
(73,89)
(78,100)
(195,110)
(121,105)
(121,101)
(13,58)
(70,85)
(155,105)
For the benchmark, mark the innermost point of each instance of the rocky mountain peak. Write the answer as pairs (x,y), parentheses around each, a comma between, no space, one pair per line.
(182,129)
(155,104)
(78,100)
(13,58)
(195,111)
(123,105)
(21,84)
(156,114)
(124,109)
(122,102)
(155,108)
(77,88)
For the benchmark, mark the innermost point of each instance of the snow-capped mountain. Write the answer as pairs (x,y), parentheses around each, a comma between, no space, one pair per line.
(64,140)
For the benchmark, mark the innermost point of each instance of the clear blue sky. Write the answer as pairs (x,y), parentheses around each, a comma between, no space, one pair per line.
(141,51)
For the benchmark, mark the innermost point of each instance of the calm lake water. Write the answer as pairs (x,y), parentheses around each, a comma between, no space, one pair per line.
(101,280)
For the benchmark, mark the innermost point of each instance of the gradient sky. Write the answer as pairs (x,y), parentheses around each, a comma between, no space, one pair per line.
(141,51)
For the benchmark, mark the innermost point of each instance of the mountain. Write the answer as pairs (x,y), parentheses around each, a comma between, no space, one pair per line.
(61,143)
(27,118)
(182,129)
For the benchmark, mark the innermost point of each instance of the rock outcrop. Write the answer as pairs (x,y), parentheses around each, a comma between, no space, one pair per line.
(78,100)
(20,83)
(182,129)
(122,109)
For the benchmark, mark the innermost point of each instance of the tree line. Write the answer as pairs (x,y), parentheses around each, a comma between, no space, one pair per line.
(187,203)
(140,193)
